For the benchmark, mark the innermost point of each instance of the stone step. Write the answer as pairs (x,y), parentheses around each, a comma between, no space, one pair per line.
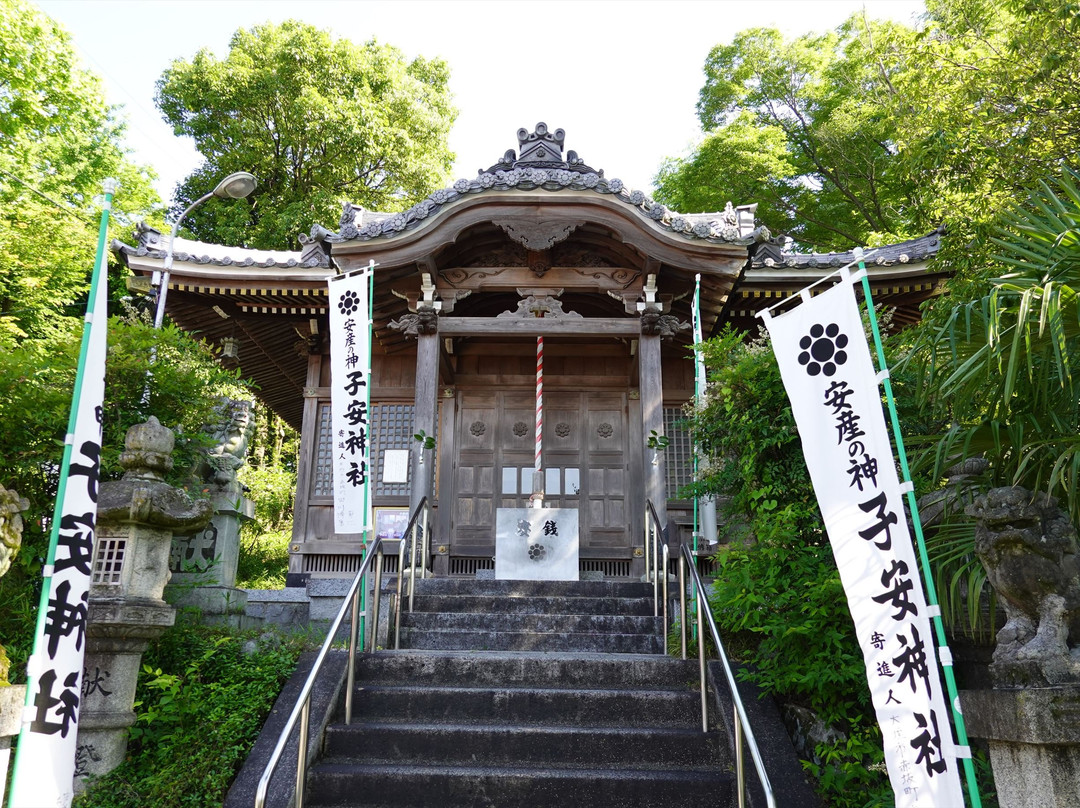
(531,641)
(533,604)
(527,669)
(468,744)
(527,706)
(562,623)
(487,587)
(335,783)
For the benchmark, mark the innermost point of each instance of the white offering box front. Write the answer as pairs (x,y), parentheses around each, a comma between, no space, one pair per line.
(536,544)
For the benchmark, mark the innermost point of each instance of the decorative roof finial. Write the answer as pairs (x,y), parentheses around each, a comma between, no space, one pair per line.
(541,146)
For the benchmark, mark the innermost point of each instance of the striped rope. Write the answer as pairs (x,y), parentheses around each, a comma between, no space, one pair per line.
(539,398)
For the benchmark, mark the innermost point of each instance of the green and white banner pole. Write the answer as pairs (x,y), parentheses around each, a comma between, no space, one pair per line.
(944,654)
(45,762)
(700,503)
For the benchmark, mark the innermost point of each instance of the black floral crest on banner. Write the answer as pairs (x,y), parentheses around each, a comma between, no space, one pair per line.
(823,349)
(349,302)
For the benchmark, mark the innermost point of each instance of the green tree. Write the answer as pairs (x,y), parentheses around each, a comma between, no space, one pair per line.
(58,142)
(320,121)
(182,388)
(877,131)
(993,100)
(799,127)
(270,477)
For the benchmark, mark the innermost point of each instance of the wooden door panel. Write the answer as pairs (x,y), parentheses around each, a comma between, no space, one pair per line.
(606,432)
(474,472)
(605,459)
(584,460)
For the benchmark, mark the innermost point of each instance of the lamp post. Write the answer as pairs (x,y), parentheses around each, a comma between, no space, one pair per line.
(235,186)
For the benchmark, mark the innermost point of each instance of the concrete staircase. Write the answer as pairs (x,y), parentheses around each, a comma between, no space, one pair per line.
(524,693)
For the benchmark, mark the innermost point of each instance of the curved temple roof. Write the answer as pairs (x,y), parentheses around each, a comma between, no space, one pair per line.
(536,218)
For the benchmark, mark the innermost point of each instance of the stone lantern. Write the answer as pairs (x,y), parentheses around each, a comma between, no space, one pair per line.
(137,516)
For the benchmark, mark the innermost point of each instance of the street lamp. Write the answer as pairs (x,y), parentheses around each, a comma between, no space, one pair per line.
(234,186)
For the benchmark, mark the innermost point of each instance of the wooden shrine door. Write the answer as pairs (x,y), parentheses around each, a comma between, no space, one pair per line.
(584,460)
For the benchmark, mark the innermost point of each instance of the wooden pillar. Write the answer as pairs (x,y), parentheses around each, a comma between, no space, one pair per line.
(652,418)
(442,536)
(305,468)
(422,461)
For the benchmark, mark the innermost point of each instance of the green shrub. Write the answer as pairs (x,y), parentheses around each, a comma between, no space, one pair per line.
(200,704)
(264,542)
(264,559)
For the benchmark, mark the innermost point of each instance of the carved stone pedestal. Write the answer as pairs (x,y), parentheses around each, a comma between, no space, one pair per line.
(203,563)
(1034,737)
(1031,718)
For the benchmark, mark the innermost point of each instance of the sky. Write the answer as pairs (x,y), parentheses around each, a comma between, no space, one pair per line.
(621,77)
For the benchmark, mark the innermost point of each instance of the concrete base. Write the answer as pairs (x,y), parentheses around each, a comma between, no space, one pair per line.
(1034,738)
(782,766)
(278,607)
(327,594)
(216,604)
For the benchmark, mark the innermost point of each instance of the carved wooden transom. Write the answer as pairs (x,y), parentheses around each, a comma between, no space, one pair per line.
(541,235)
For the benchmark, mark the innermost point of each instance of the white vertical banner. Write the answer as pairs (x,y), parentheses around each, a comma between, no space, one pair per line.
(829,376)
(45,755)
(350,398)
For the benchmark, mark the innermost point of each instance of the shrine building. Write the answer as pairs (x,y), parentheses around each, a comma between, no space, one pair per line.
(540,244)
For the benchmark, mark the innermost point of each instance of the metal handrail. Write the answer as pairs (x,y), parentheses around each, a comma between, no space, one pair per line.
(414,527)
(742,723)
(656,551)
(302,710)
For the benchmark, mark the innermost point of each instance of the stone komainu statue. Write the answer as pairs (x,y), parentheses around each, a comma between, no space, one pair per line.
(1029,549)
(231,435)
(11,526)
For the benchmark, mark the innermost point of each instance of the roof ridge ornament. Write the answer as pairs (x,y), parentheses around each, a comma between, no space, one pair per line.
(541,148)
(540,145)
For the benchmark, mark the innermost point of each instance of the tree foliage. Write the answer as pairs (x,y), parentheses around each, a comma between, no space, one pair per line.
(799,127)
(877,131)
(58,142)
(270,477)
(1001,369)
(318,120)
(183,388)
